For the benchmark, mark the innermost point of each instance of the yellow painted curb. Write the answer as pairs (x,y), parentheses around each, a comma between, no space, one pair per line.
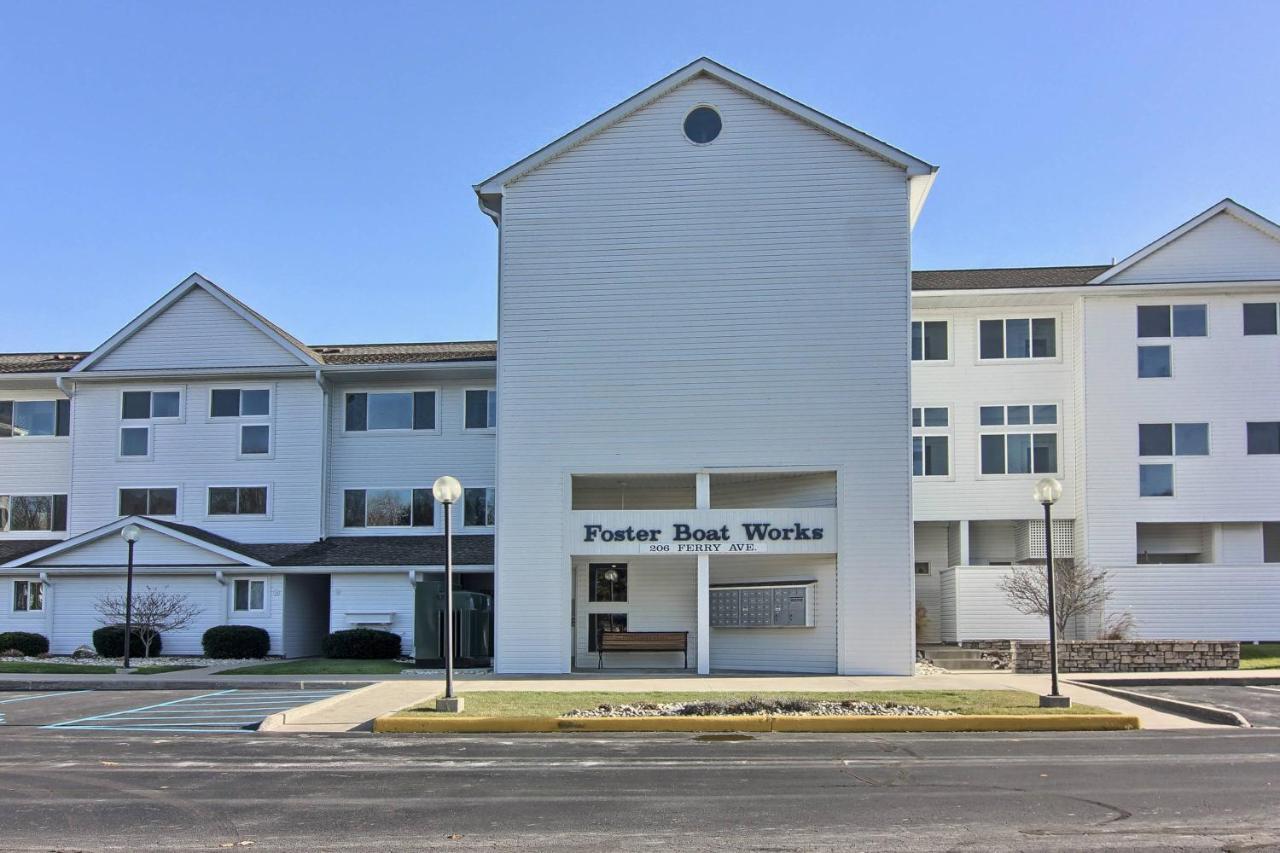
(424,723)
(753,723)
(972,723)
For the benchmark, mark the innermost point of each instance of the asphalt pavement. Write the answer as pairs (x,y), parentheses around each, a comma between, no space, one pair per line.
(1257,703)
(1195,790)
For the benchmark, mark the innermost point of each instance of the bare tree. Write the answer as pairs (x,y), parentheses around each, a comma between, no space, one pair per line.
(1077,589)
(155,611)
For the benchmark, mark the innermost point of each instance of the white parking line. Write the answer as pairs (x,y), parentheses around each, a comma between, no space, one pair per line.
(221,711)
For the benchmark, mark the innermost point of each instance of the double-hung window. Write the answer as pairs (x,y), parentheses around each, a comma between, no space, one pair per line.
(386,411)
(149,501)
(32,418)
(478,507)
(248,595)
(928,340)
(138,412)
(930,441)
(1019,439)
(388,508)
(481,408)
(237,500)
(1260,318)
(33,513)
(1155,474)
(1018,337)
(252,406)
(28,596)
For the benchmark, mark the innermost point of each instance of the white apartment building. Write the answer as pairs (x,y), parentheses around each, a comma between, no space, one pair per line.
(713,363)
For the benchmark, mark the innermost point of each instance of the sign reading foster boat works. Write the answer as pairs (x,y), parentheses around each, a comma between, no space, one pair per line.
(704,532)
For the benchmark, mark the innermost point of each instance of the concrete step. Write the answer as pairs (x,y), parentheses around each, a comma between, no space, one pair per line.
(961,664)
(952,653)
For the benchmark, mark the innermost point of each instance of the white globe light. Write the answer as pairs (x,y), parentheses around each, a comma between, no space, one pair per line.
(447,489)
(1048,491)
(131,532)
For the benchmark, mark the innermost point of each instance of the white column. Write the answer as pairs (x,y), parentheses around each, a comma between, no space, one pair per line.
(964,543)
(704,614)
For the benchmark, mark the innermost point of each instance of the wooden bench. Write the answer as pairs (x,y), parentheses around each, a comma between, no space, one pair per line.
(641,641)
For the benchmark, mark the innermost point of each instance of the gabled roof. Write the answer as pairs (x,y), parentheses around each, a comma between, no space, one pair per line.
(1227,206)
(920,172)
(192,536)
(289,343)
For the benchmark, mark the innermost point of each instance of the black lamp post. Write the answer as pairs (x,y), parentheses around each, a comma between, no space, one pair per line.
(447,490)
(130,533)
(1047,492)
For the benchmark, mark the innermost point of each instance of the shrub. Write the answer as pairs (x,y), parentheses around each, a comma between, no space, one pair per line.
(365,643)
(24,641)
(109,642)
(236,641)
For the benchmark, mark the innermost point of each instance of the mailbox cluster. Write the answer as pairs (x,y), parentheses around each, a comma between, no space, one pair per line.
(763,606)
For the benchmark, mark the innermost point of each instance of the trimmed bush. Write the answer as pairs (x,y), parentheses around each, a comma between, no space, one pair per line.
(109,642)
(363,643)
(24,641)
(236,641)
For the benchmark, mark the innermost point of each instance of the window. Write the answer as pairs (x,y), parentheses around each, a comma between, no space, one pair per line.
(922,568)
(702,125)
(148,405)
(1155,362)
(929,340)
(149,501)
(608,582)
(255,439)
(1177,321)
(930,449)
(598,622)
(237,500)
(1173,439)
(28,596)
(249,595)
(391,410)
(1018,338)
(481,409)
(32,513)
(239,402)
(135,441)
(1155,481)
(478,507)
(1260,318)
(1263,437)
(388,508)
(1019,439)
(30,418)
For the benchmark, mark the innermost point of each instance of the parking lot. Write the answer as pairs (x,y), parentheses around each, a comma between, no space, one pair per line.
(1259,704)
(189,711)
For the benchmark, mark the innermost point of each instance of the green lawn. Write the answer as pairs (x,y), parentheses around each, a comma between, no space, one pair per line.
(1261,656)
(47,668)
(552,704)
(156,669)
(321,666)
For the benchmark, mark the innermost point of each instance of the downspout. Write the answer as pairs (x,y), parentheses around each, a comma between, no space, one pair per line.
(47,590)
(226,605)
(324,452)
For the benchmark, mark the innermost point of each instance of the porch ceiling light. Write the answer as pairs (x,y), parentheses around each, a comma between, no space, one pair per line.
(131,532)
(447,489)
(1048,491)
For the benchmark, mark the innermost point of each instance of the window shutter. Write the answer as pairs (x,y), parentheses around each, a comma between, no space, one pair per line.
(357,412)
(59,512)
(63,418)
(424,410)
(6,418)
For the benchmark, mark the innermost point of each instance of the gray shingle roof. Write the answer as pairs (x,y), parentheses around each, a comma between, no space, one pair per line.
(12,549)
(1004,278)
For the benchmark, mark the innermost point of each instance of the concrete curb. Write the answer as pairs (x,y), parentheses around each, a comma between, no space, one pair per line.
(1166,681)
(1203,713)
(405,724)
(277,722)
(137,683)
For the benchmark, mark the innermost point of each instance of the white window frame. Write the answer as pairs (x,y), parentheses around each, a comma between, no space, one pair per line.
(1167,343)
(1275,312)
(436,508)
(923,432)
(239,515)
(950,342)
(180,390)
(492,391)
(177,500)
(1058,338)
(7,532)
(248,608)
(462,504)
(410,390)
(271,439)
(1155,460)
(28,583)
(1171,336)
(1007,429)
(151,442)
(269,387)
(39,438)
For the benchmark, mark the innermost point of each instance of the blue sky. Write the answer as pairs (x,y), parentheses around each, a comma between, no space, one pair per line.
(316,158)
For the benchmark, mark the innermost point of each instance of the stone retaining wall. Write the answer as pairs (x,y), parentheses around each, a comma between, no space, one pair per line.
(1032,656)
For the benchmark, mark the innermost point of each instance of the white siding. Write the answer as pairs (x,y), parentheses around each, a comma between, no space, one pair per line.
(196,331)
(39,465)
(1198,602)
(931,548)
(659,302)
(151,549)
(351,594)
(195,452)
(1220,249)
(982,611)
(734,491)
(661,596)
(779,649)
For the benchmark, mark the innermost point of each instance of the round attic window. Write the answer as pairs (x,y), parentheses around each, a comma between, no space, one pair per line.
(702,125)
